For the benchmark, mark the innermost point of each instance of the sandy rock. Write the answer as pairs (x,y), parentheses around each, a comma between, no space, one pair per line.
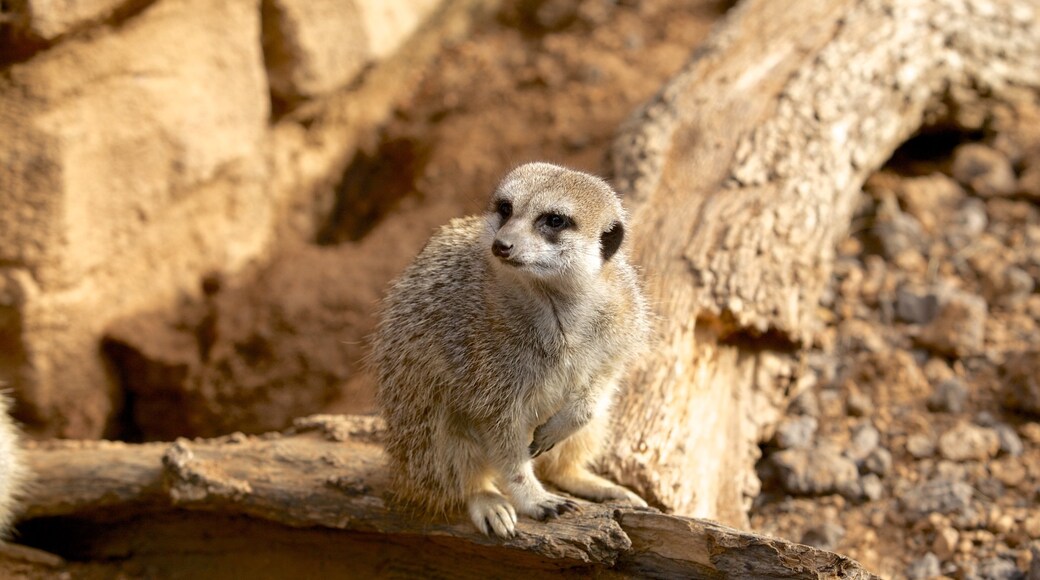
(816,471)
(949,397)
(985,170)
(130,164)
(317,46)
(152,137)
(967,442)
(942,495)
(47,20)
(959,326)
(249,358)
(312,47)
(1021,385)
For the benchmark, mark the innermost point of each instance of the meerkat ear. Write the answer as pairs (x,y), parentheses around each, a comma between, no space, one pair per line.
(611,239)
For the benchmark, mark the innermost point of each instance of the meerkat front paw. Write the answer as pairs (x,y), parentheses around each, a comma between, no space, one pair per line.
(545,438)
(492,512)
(548,506)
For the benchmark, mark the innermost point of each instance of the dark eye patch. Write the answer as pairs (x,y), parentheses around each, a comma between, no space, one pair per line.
(504,209)
(555,221)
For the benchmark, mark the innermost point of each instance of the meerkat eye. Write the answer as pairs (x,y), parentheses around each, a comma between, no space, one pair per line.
(556,221)
(504,209)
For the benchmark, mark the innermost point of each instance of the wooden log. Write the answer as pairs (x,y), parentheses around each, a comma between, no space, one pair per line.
(741,175)
(328,473)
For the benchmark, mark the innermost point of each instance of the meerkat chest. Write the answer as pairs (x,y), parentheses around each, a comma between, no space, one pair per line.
(578,373)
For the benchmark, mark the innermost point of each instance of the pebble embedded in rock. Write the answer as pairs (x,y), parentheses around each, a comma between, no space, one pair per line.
(968,223)
(1007,285)
(984,169)
(915,307)
(1021,389)
(967,442)
(923,568)
(871,487)
(923,195)
(815,471)
(942,495)
(959,327)
(920,446)
(859,404)
(1029,182)
(949,397)
(806,404)
(898,232)
(825,536)
(1010,443)
(997,569)
(945,543)
(795,432)
(865,438)
(878,462)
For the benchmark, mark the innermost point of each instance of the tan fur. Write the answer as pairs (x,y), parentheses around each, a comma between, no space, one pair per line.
(12,472)
(484,359)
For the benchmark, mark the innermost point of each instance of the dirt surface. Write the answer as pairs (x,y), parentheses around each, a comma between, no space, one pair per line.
(915,452)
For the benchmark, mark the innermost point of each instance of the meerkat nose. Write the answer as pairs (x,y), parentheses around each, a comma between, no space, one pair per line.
(501,249)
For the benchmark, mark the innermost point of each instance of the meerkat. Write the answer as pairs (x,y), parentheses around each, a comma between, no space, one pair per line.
(501,347)
(12,472)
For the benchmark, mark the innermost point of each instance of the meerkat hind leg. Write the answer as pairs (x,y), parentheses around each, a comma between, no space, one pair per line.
(566,467)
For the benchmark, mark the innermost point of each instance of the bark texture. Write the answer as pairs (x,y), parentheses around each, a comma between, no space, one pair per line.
(328,473)
(741,176)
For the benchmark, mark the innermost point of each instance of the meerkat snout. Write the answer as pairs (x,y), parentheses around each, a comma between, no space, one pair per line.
(501,249)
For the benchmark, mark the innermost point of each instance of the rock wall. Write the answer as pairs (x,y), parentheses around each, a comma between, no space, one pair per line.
(147,144)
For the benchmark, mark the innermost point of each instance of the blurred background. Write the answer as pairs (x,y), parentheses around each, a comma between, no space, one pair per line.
(201,204)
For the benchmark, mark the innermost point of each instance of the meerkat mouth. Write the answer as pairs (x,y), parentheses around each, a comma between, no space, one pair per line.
(512,262)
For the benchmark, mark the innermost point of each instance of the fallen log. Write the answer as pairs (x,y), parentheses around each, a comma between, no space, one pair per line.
(741,176)
(326,479)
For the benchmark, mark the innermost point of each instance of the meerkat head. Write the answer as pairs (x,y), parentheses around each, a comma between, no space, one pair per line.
(553,223)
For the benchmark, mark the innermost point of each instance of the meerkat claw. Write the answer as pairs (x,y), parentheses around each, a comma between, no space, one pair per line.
(492,513)
(556,506)
(535,449)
